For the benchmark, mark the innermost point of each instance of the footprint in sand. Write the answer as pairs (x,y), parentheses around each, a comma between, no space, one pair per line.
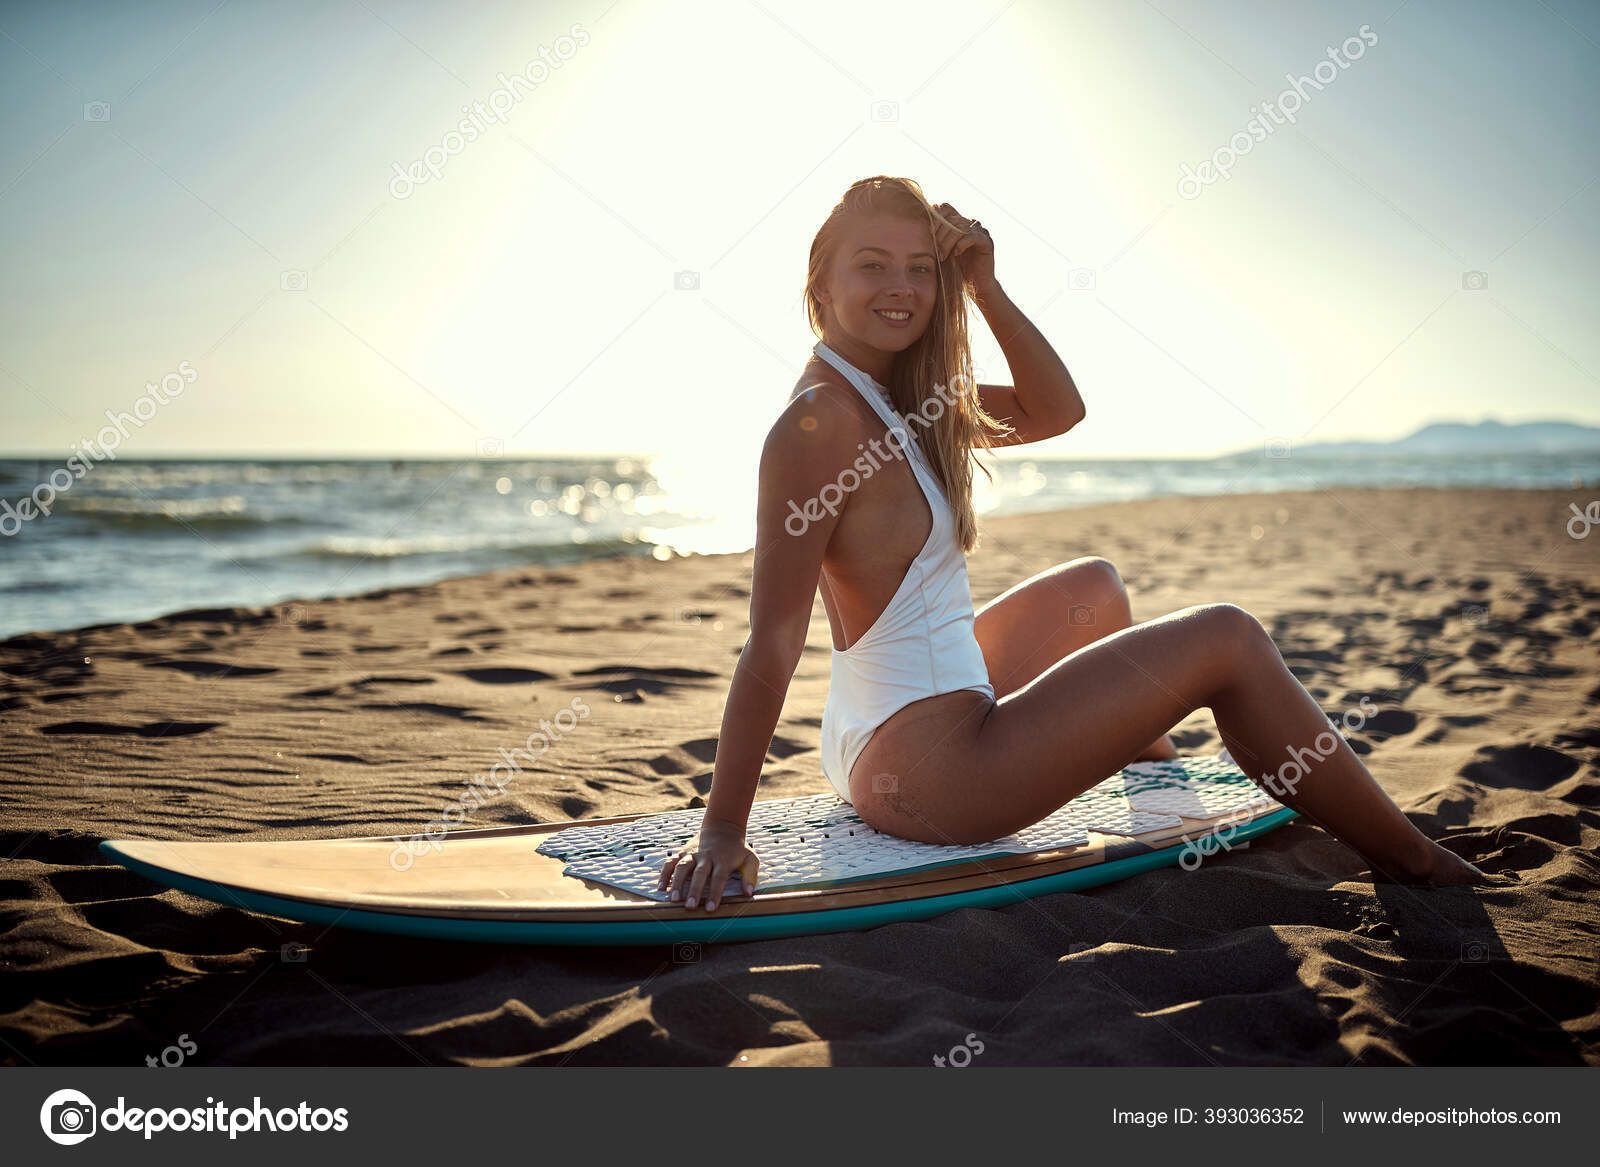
(210,668)
(631,683)
(153,729)
(351,688)
(575,806)
(690,757)
(700,751)
(1524,767)
(456,712)
(1388,723)
(504,676)
(1444,724)
(1586,736)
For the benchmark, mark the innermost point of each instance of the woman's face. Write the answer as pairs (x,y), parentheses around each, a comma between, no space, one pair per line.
(884,268)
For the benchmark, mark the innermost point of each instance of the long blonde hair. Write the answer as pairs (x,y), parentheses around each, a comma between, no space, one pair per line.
(941,356)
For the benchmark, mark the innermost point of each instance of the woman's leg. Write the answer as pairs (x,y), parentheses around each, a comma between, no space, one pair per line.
(1078,722)
(1050,616)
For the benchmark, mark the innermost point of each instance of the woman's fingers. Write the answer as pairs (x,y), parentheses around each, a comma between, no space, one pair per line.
(706,883)
(944,235)
(952,236)
(684,868)
(697,883)
(716,887)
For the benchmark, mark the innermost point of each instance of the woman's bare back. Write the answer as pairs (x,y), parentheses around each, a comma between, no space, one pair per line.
(881,530)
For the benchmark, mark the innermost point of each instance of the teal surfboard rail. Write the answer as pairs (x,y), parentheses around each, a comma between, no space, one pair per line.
(704,927)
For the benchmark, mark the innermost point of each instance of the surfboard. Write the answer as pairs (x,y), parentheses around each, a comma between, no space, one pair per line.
(592,881)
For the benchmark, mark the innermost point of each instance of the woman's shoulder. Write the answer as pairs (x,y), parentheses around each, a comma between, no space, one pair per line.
(820,382)
(824,414)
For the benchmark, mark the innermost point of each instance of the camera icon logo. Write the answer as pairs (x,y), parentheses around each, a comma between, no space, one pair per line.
(686,281)
(886,111)
(685,952)
(292,953)
(885,783)
(1080,615)
(491,447)
(1474,281)
(68,1117)
(293,280)
(1278,447)
(97,111)
(1474,952)
(1081,279)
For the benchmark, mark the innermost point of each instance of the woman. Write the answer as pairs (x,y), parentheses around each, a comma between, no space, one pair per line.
(942,725)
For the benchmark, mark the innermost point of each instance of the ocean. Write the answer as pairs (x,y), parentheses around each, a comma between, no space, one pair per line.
(131,540)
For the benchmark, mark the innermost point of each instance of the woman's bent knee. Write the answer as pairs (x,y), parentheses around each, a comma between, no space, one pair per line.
(1096,571)
(1092,583)
(1233,627)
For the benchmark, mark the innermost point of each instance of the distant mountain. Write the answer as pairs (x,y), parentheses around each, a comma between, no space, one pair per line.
(1458,437)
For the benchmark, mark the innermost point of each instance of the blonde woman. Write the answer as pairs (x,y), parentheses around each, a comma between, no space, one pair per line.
(942,724)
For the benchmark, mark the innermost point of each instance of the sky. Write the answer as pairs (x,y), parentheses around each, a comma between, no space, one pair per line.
(215,192)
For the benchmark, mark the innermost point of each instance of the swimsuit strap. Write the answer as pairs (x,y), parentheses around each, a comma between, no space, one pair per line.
(877,395)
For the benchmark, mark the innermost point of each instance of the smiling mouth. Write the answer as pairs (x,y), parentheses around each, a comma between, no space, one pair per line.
(895,315)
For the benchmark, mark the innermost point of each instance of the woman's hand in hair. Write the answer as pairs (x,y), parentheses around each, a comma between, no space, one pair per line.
(969,242)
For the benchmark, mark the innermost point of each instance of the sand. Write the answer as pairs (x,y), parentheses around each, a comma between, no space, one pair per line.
(1470,618)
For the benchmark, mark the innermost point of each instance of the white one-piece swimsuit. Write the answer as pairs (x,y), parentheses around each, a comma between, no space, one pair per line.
(923,643)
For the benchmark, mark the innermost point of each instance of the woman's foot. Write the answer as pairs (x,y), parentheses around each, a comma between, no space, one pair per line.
(1443,868)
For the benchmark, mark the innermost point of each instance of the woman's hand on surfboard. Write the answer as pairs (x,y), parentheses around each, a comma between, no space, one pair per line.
(713,865)
(968,240)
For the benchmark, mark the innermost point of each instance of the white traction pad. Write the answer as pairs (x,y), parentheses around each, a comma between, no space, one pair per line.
(820,840)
